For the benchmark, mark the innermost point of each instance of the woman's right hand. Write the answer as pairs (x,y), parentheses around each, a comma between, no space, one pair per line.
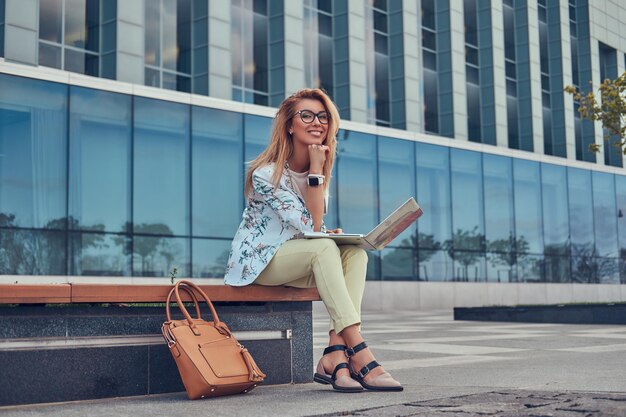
(317,158)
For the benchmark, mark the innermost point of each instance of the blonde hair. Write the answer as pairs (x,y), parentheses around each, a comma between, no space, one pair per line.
(280,147)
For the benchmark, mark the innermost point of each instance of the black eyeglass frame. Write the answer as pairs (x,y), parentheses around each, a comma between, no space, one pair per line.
(323,112)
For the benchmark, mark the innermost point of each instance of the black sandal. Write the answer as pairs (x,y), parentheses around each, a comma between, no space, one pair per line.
(382,382)
(341,384)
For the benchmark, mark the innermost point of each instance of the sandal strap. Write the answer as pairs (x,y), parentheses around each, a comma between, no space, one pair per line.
(367,368)
(342,365)
(356,349)
(334,348)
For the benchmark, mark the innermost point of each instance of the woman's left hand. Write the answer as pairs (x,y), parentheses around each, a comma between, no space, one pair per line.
(334,231)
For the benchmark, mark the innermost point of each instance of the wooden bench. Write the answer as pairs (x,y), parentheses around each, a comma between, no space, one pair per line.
(78,341)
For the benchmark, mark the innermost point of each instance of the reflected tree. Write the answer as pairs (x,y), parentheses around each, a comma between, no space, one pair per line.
(466,247)
(508,253)
(399,260)
(151,244)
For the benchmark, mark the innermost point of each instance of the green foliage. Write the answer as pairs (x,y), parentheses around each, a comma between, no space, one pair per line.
(610,109)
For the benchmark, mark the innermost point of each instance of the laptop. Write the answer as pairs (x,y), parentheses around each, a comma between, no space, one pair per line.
(382,234)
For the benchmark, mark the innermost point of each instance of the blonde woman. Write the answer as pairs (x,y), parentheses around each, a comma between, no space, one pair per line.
(286,188)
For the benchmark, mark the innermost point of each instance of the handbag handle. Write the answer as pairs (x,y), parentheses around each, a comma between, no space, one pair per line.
(216,320)
(191,295)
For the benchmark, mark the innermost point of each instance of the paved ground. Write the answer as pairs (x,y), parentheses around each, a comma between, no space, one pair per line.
(449,369)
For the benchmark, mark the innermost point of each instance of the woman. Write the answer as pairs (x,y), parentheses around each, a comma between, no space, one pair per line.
(286,188)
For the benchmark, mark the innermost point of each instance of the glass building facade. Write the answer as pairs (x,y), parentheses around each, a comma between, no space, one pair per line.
(110,178)
(103,183)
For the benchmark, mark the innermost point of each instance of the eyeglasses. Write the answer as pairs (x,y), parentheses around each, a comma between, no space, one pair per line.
(307,116)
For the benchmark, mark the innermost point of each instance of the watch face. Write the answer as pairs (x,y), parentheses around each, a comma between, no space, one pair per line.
(314,181)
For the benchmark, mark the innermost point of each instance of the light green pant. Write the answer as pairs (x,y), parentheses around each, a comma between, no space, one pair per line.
(338,272)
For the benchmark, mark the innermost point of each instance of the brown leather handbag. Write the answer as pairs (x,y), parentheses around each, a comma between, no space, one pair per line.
(209,358)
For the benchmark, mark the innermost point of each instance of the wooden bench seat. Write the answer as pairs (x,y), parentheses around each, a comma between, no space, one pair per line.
(130,293)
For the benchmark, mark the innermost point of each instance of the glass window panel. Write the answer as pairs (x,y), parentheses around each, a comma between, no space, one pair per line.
(382,87)
(99,254)
(528,208)
(50,20)
(209,258)
(357,175)
(373,266)
(433,194)
(469,266)
(156,256)
(431,110)
(604,214)
(81,62)
(325,63)
(467,201)
(502,266)
(153,33)
(580,213)
(153,77)
(428,14)
(50,55)
(620,195)
(473,76)
(325,24)
(396,164)
(33,152)
(435,265)
(397,264)
(260,64)
(325,5)
(555,209)
(557,269)
(530,268)
(161,167)
(499,219)
(607,271)
(183,36)
(330,219)
(32,252)
(471,55)
(584,268)
(82,24)
(430,60)
(109,37)
(380,21)
(380,43)
(100,158)
(429,40)
(169,47)
(257,131)
(473,112)
(1,28)
(216,175)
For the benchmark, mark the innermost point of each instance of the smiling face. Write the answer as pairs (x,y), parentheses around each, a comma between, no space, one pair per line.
(313,133)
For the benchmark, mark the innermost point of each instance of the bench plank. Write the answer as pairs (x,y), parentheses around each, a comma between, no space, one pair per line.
(103,293)
(35,293)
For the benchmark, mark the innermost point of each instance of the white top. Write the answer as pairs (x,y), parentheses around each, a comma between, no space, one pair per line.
(299,181)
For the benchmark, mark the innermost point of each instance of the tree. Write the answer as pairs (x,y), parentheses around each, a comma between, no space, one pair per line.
(610,109)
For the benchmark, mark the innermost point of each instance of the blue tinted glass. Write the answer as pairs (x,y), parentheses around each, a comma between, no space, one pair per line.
(330,219)
(620,193)
(217,178)
(99,254)
(373,266)
(257,132)
(433,194)
(607,271)
(499,227)
(398,264)
(469,266)
(155,256)
(557,269)
(435,265)
(555,209)
(467,200)
(33,152)
(357,174)
(32,252)
(396,164)
(161,167)
(209,258)
(604,214)
(100,149)
(581,221)
(530,268)
(499,219)
(528,208)
(1,27)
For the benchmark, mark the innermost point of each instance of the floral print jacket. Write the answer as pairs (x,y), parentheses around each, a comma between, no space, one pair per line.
(272,217)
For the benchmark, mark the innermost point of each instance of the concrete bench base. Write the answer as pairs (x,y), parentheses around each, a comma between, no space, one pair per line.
(78,352)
